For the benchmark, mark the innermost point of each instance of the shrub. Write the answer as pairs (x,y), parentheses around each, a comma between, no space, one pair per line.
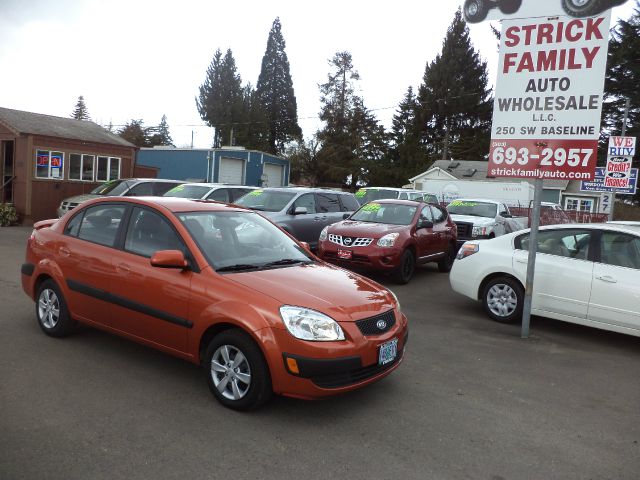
(8,215)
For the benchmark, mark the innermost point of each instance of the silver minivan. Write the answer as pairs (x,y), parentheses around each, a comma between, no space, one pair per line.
(303,212)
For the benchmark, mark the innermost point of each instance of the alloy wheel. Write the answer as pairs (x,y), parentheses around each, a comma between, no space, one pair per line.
(230,372)
(48,308)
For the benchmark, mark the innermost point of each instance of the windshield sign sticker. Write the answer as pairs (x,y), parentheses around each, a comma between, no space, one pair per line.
(255,193)
(179,188)
(458,203)
(361,193)
(371,207)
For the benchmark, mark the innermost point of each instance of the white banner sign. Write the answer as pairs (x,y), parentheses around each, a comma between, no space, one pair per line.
(622,146)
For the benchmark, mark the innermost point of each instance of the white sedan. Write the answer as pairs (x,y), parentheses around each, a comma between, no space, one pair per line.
(585,274)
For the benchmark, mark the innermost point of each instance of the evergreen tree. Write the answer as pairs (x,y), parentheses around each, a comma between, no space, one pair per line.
(275,93)
(455,104)
(353,142)
(80,111)
(220,102)
(135,132)
(305,166)
(160,135)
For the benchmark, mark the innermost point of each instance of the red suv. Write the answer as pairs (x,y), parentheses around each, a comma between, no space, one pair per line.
(392,236)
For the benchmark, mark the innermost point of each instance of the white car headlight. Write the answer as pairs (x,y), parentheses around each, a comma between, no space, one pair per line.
(323,234)
(388,240)
(480,231)
(307,324)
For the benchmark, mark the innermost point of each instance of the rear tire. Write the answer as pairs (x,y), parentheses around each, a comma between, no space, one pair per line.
(503,299)
(584,8)
(237,373)
(475,11)
(52,312)
(406,269)
(445,264)
(509,7)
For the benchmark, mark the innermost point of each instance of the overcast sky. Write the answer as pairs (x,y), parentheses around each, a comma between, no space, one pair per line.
(140,59)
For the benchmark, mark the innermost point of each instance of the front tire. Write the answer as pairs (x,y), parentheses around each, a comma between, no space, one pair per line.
(406,269)
(445,264)
(237,373)
(509,7)
(52,312)
(583,8)
(503,299)
(475,11)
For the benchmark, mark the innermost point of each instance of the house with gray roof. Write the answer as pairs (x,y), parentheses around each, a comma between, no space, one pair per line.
(44,159)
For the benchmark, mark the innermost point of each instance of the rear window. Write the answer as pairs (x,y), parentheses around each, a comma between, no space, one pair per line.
(366,195)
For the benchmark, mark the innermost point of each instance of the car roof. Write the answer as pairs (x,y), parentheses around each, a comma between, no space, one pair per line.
(303,190)
(151,180)
(212,185)
(486,200)
(397,201)
(173,204)
(616,227)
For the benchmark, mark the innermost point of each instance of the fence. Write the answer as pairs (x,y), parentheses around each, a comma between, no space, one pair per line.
(550,216)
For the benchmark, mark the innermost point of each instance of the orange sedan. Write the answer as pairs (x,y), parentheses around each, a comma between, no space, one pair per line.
(216,285)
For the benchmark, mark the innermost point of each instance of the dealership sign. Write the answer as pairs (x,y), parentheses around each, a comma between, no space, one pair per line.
(548,101)
(598,183)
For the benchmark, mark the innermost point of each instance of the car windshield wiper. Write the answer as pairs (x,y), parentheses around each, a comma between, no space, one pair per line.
(238,267)
(285,261)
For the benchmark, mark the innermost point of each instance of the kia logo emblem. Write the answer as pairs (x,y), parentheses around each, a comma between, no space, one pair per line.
(381,324)
(347,241)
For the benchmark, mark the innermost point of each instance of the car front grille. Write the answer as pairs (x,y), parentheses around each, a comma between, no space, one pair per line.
(66,206)
(464,230)
(371,326)
(355,260)
(350,241)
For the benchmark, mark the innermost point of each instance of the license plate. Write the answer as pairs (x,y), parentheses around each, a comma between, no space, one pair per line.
(345,254)
(388,352)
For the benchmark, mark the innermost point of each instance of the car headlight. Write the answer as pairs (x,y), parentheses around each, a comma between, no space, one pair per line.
(395,297)
(323,234)
(481,231)
(307,324)
(388,240)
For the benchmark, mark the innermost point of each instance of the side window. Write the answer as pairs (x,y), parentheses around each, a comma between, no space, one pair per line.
(160,188)
(141,190)
(562,243)
(425,214)
(439,215)
(403,196)
(148,232)
(307,201)
(327,202)
(349,203)
(73,226)
(502,210)
(620,250)
(219,195)
(100,224)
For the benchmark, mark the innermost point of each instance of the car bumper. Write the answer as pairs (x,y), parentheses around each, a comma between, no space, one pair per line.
(371,257)
(323,369)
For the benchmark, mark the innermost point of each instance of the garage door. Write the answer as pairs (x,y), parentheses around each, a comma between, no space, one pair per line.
(274,174)
(231,171)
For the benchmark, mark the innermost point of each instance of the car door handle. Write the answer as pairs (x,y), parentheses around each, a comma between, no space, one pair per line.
(123,268)
(522,260)
(607,278)
(317,219)
(65,252)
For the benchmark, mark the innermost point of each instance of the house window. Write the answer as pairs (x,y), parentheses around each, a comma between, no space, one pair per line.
(108,169)
(579,204)
(49,164)
(81,167)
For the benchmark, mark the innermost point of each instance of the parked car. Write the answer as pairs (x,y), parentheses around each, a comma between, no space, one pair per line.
(585,274)
(129,187)
(392,236)
(482,218)
(302,212)
(223,287)
(369,194)
(219,192)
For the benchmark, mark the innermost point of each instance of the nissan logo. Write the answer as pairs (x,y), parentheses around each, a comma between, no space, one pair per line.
(381,324)
(347,241)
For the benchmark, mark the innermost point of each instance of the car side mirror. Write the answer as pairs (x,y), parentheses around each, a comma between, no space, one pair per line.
(300,211)
(306,246)
(345,216)
(505,215)
(169,259)
(425,224)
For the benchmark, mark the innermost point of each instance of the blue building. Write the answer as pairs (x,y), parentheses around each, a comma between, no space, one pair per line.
(233,165)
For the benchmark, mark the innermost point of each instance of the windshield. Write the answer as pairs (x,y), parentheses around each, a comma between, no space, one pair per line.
(366,195)
(475,209)
(387,213)
(266,200)
(242,241)
(113,188)
(188,191)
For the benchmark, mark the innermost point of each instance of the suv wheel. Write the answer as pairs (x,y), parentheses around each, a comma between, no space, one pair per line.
(510,6)
(406,268)
(445,263)
(475,11)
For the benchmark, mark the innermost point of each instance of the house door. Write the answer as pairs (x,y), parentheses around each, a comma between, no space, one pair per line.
(6,171)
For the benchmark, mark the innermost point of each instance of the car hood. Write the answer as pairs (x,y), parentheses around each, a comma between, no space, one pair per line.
(352,228)
(343,295)
(481,221)
(81,198)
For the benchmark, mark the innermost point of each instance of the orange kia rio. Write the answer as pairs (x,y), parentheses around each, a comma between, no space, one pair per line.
(216,285)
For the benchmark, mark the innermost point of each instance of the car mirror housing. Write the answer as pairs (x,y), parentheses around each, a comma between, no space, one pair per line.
(425,224)
(306,246)
(169,259)
(300,211)
(345,216)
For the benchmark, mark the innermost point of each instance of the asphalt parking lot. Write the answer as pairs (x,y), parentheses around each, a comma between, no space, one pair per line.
(471,401)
